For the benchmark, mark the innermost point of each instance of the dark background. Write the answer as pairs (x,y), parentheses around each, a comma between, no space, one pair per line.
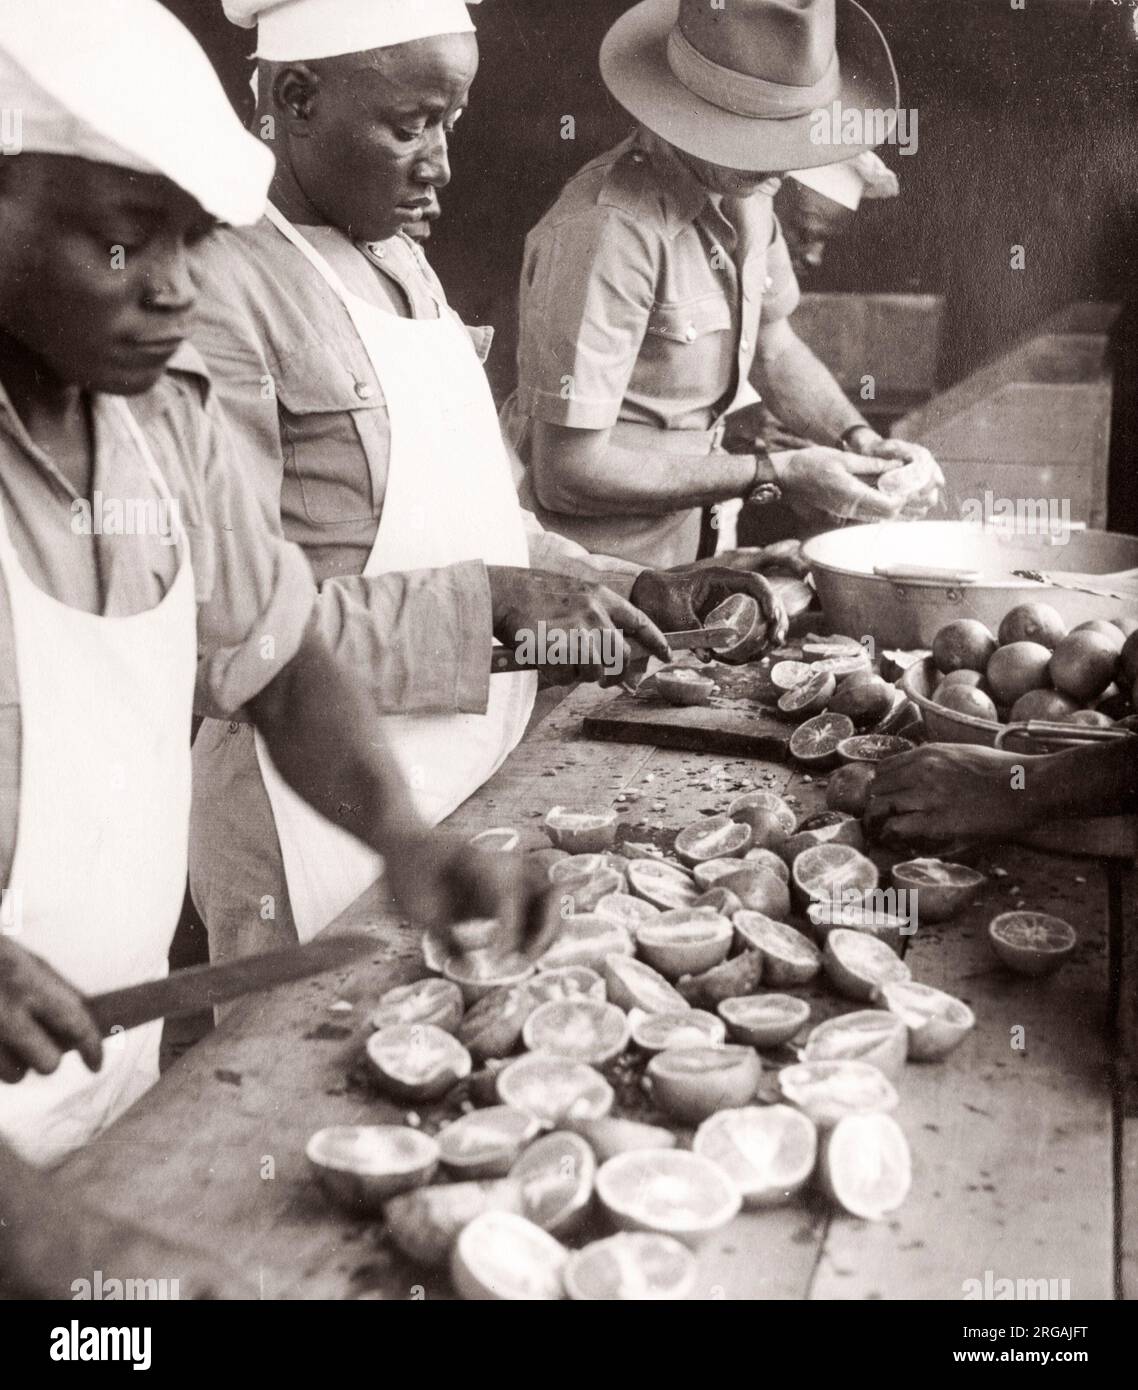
(1027,137)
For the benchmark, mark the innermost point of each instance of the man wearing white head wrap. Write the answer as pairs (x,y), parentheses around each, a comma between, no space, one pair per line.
(367,422)
(138,574)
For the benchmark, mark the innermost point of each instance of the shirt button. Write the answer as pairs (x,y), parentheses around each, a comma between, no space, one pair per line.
(364,390)
(689,333)
(638,158)
(745,345)
(768,282)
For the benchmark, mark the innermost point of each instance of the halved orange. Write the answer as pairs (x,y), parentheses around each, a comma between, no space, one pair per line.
(634,985)
(789,958)
(683,1028)
(500,838)
(768,1152)
(839,828)
(742,974)
(872,748)
(935,1021)
(581,892)
(741,613)
(587,1030)
(808,697)
(668,1191)
(764,1020)
(691,1083)
(759,889)
(828,1091)
(426,1001)
(1031,943)
(866,1035)
(485,1143)
(416,1061)
(828,873)
(585,939)
(581,832)
(785,675)
(553,1089)
(361,1166)
(680,685)
(557,1174)
(610,1136)
(716,837)
(720,900)
(940,889)
(663,885)
(858,965)
(638,1266)
(860,912)
(763,800)
(865,1165)
(565,982)
(482,972)
(500,1256)
(684,942)
(425,1223)
(712,873)
(769,860)
(493,1026)
(625,910)
(815,743)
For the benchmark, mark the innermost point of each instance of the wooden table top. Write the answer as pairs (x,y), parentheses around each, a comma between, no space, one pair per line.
(1023,1163)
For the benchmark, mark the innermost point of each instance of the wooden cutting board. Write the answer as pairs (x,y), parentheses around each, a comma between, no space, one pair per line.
(735,723)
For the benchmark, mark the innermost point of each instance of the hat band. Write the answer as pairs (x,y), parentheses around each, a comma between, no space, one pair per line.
(742,94)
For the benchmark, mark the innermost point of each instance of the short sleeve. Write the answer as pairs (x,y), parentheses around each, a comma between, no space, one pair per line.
(780,298)
(254,619)
(588,287)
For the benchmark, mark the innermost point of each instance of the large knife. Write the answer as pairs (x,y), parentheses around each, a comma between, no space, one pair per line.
(505,659)
(202,986)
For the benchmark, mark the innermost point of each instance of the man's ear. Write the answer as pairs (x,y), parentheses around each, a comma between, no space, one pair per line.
(296,89)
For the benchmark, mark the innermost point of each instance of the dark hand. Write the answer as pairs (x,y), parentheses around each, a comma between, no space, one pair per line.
(680,599)
(782,557)
(41,1017)
(582,610)
(440,881)
(945,789)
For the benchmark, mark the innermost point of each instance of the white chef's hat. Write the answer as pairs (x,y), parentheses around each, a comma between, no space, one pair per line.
(305,30)
(847,183)
(124,82)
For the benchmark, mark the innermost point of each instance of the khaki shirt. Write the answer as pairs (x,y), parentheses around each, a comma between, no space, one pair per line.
(632,304)
(250,584)
(308,412)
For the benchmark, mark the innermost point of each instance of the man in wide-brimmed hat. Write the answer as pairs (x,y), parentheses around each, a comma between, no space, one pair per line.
(659,283)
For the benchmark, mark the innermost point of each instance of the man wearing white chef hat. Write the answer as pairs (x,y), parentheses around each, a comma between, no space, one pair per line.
(366,420)
(112,630)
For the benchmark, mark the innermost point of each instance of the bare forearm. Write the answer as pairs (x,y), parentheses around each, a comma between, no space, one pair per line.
(801,390)
(601,478)
(320,725)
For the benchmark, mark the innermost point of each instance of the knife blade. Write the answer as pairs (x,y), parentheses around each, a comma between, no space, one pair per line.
(199,987)
(503,659)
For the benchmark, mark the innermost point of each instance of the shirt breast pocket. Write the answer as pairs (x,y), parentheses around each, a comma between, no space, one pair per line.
(690,321)
(334,437)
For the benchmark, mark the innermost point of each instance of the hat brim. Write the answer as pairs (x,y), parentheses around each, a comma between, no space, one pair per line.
(635,68)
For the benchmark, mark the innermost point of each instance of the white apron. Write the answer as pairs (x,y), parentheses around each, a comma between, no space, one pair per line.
(99,870)
(450,498)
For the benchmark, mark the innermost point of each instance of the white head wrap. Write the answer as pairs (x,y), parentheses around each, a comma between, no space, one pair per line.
(123,82)
(306,30)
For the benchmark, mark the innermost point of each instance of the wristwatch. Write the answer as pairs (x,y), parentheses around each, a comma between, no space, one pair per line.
(763,488)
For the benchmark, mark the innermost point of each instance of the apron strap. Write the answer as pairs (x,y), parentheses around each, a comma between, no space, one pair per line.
(310,254)
(142,444)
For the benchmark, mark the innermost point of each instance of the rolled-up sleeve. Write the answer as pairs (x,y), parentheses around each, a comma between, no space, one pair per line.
(781,294)
(588,290)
